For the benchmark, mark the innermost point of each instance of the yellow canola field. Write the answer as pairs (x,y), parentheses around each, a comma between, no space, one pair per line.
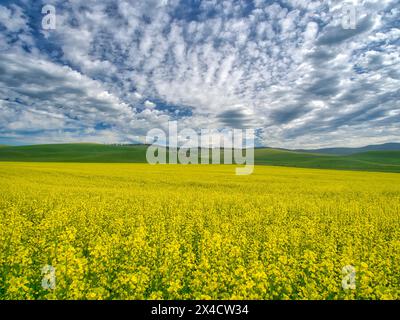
(136,231)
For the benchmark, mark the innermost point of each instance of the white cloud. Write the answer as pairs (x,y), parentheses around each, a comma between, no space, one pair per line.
(149,104)
(12,18)
(229,63)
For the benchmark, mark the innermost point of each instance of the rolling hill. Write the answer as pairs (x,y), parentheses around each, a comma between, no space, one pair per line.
(386,161)
(345,151)
(77,152)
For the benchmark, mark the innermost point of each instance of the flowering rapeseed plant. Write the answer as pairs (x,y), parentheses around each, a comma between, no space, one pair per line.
(130,231)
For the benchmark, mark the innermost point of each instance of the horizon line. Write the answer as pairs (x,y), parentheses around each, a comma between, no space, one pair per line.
(167,146)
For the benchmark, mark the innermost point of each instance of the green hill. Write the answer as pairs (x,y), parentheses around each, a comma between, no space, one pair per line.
(392,146)
(79,152)
(386,161)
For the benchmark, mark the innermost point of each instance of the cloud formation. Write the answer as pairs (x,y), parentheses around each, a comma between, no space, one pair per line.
(112,70)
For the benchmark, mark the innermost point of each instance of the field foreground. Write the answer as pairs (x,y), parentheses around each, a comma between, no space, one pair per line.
(135,231)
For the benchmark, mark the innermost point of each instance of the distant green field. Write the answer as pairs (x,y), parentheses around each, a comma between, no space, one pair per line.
(80,152)
(385,161)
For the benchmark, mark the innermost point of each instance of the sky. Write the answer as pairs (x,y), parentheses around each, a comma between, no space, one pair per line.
(111,71)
